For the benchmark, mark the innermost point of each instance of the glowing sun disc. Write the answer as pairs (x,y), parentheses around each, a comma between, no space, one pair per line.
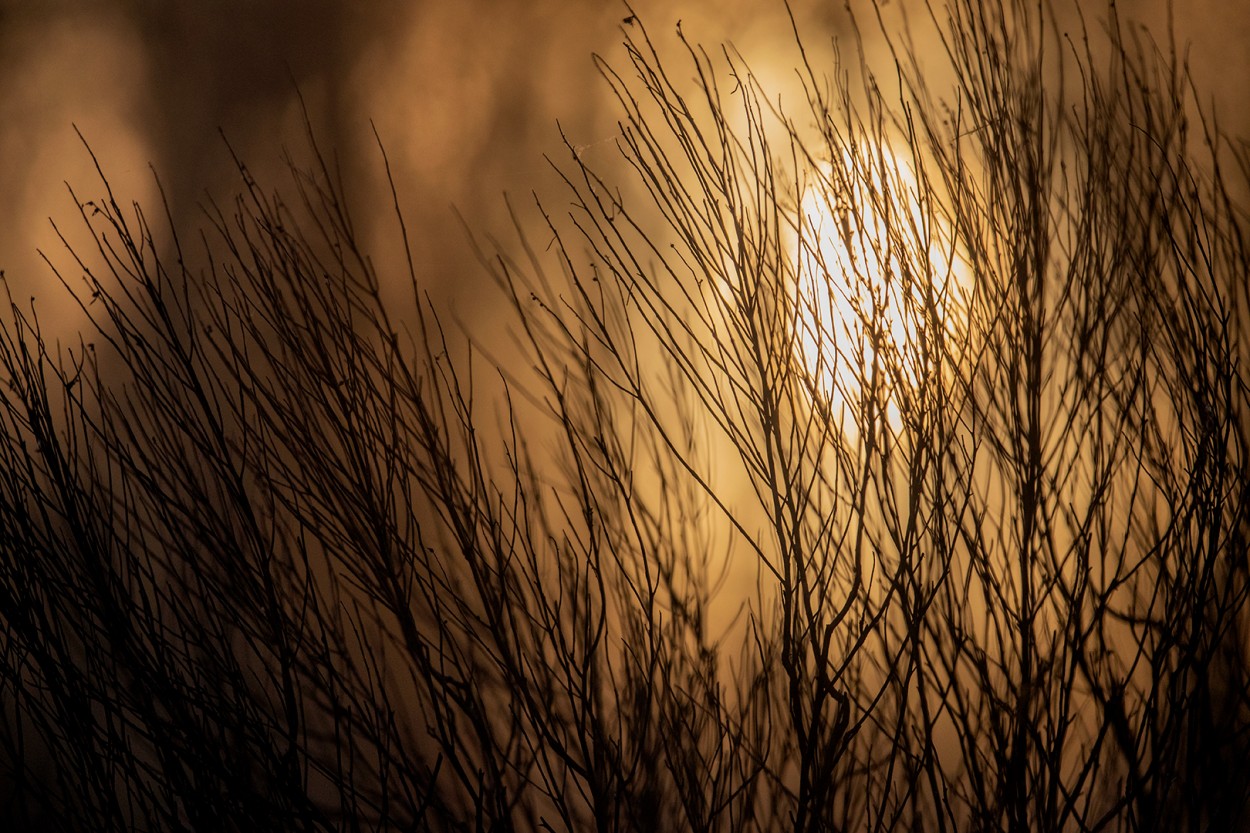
(873,266)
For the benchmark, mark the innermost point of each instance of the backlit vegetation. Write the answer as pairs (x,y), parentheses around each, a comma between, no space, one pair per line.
(276,553)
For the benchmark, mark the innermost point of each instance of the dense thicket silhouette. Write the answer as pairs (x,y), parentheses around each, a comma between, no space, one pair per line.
(279,553)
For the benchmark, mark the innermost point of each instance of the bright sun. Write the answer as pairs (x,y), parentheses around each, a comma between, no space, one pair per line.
(874,266)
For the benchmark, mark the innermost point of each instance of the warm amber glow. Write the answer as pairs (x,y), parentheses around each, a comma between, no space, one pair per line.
(876,266)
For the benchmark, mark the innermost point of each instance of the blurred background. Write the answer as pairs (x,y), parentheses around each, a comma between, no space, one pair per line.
(465,95)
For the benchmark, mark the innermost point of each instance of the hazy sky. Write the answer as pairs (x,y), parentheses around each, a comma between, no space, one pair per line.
(465,94)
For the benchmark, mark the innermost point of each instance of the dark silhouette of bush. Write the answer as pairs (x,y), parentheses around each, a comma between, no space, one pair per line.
(278,553)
